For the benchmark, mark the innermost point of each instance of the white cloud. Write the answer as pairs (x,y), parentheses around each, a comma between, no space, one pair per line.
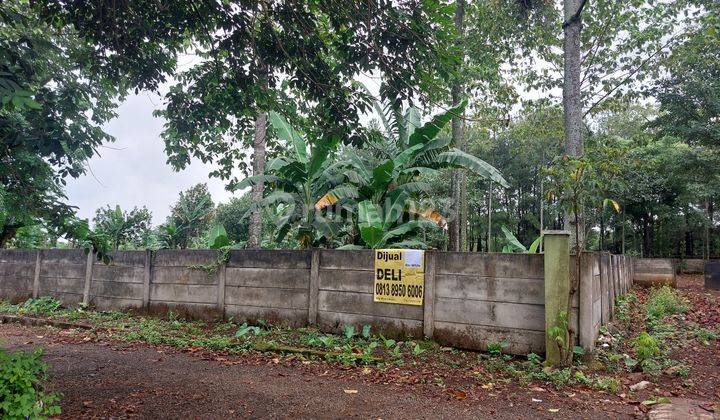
(133,170)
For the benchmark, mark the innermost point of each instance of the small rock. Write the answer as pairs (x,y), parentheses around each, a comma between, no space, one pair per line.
(639,386)
(672,370)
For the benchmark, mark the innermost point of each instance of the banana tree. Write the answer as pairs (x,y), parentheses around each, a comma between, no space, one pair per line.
(297,182)
(513,243)
(391,186)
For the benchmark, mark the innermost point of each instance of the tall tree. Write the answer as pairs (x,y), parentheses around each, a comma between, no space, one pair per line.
(572,102)
(52,108)
(190,216)
(457,225)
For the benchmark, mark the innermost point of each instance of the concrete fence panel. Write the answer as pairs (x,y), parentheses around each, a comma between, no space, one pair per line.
(62,274)
(482,299)
(17,273)
(655,272)
(272,286)
(118,285)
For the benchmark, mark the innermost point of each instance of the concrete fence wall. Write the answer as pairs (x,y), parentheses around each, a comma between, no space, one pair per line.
(603,278)
(655,272)
(471,299)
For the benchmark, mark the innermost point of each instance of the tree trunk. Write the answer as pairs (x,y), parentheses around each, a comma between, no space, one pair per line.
(572,104)
(602,232)
(489,227)
(707,230)
(259,142)
(646,237)
(457,227)
(622,239)
(542,208)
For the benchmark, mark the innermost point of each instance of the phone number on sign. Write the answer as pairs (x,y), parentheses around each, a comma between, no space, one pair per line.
(399,290)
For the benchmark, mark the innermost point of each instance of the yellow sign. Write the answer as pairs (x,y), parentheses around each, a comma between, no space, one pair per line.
(399,276)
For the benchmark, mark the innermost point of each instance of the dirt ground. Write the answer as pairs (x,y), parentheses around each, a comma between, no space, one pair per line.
(121,379)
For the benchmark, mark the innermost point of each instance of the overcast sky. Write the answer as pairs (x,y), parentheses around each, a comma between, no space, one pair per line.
(133,170)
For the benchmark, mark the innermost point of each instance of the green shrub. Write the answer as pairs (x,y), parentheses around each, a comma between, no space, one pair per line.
(646,347)
(663,302)
(41,306)
(647,350)
(22,394)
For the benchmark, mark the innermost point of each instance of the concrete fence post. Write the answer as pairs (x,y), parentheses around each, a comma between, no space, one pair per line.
(429,294)
(586,335)
(36,275)
(557,289)
(147,279)
(314,287)
(612,277)
(222,276)
(604,288)
(88,276)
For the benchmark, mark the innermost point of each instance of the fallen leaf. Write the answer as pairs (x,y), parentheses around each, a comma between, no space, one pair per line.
(460,395)
(553,410)
(488,385)
(350,391)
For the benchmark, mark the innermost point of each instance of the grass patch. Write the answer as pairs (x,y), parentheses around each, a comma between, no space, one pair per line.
(664,302)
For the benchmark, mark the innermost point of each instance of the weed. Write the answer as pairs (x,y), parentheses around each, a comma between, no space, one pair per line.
(608,384)
(417,351)
(22,393)
(705,336)
(349,331)
(365,331)
(663,302)
(396,351)
(496,349)
(683,371)
(245,329)
(388,342)
(41,306)
(534,358)
(623,305)
(646,347)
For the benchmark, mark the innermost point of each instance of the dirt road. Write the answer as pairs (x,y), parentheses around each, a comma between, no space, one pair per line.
(124,380)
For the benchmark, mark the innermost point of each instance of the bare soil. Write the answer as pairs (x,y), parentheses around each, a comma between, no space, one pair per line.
(100,378)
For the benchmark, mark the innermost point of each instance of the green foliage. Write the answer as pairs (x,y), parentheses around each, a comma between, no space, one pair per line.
(688,94)
(22,391)
(496,349)
(44,305)
(705,335)
(348,331)
(646,348)
(49,126)
(218,237)
(230,215)
(664,301)
(559,334)
(623,306)
(246,329)
(296,183)
(365,333)
(189,218)
(126,229)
